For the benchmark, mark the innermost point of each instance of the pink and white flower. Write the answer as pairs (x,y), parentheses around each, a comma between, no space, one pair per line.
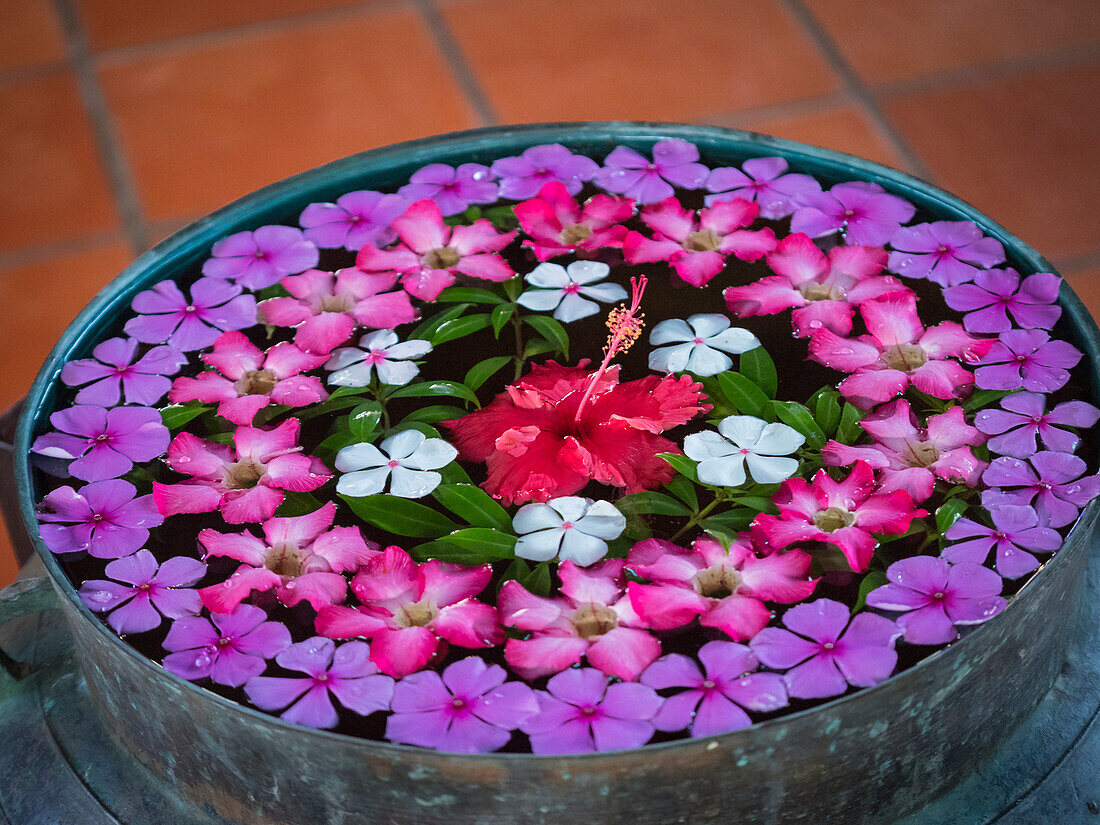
(382,352)
(555,224)
(572,291)
(569,528)
(698,345)
(408,460)
(744,440)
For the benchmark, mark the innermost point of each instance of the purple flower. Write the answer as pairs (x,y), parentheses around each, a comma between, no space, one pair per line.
(1053,480)
(829,658)
(1023,418)
(716,700)
(997,292)
(582,713)
(112,365)
(1026,358)
(104,443)
(355,220)
(944,252)
(146,589)
(259,259)
(103,518)
(345,672)
(626,172)
(469,709)
(867,214)
(936,596)
(453,190)
(522,177)
(166,315)
(761,181)
(229,648)
(1013,530)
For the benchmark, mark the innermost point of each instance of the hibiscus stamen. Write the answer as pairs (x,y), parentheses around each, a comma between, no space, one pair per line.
(625,325)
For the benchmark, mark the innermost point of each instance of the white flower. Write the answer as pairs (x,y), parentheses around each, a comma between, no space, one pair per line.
(572,528)
(561,289)
(744,440)
(378,350)
(405,458)
(706,338)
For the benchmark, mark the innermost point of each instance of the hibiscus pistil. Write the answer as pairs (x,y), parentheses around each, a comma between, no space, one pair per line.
(625,325)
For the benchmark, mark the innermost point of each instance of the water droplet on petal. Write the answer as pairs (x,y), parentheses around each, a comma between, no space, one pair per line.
(100,596)
(815,324)
(202,660)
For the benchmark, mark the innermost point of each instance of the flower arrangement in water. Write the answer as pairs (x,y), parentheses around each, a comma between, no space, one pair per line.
(525,456)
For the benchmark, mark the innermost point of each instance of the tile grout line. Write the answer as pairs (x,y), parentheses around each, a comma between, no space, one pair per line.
(40,253)
(119,176)
(456,61)
(1074,264)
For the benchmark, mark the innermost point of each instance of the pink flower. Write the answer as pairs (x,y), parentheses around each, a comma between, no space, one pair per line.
(523,176)
(866,213)
(244,481)
(944,252)
(301,559)
(115,370)
(843,513)
(165,315)
(626,172)
(451,189)
(149,591)
(355,220)
(899,352)
(411,611)
(431,254)
(910,458)
(1023,417)
(245,380)
(537,450)
(726,590)
(825,290)
(696,245)
(102,518)
(259,259)
(326,307)
(1026,358)
(1015,531)
(102,443)
(557,225)
(229,649)
(997,293)
(762,181)
(593,617)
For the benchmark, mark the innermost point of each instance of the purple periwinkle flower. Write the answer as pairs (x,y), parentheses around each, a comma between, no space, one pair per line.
(1015,530)
(227,648)
(1023,417)
(523,176)
(147,591)
(675,163)
(1053,483)
(469,709)
(763,181)
(717,696)
(112,373)
(945,252)
(864,211)
(453,190)
(580,712)
(166,315)
(1026,358)
(936,596)
(998,293)
(355,220)
(102,518)
(345,672)
(260,258)
(104,443)
(826,653)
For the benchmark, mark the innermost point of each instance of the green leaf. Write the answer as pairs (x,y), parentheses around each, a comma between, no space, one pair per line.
(551,330)
(538,580)
(656,503)
(761,504)
(735,519)
(537,346)
(328,448)
(434,414)
(684,489)
(297,504)
(454,474)
(876,578)
(743,393)
(482,371)
(500,316)
(175,416)
(400,516)
(948,512)
(720,532)
(468,294)
(333,404)
(428,430)
(342,392)
(681,464)
(502,217)
(433,389)
(473,505)
(443,550)
(430,325)
(848,430)
(490,544)
(983,398)
(795,415)
(459,328)
(758,367)
(364,419)
(826,407)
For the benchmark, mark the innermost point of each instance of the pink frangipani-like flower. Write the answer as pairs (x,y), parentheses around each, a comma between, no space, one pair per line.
(823,290)
(300,558)
(228,648)
(1023,417)
(1028,359)
(411,611)
(355,220)
(864,211)
(104,443)
(148,591)
(345,672)
(469,708)
(763,181)
(112,373)
(523,176)
(697,245)
(825,652)
(1015,531)
(166,316)
(726,590)
(675,163)
(260,258)
(102,518)
(945,252)
(244,481)
(997,293)
(1053,483)
(936,595)
(451,189)
(557,225)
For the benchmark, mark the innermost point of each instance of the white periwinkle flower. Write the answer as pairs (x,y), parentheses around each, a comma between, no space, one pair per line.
(378,350)
(698,344)
(407,459)
(744,440)
(566,290)
(572,528)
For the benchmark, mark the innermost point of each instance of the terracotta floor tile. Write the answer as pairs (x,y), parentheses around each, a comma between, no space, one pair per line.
(1022,149)
(53,186)
(31,34)
(891,39)
(1087,286)
(635,59)
(8,567)
(202,127)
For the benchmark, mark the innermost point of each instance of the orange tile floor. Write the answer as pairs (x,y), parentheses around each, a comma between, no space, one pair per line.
(123,120)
